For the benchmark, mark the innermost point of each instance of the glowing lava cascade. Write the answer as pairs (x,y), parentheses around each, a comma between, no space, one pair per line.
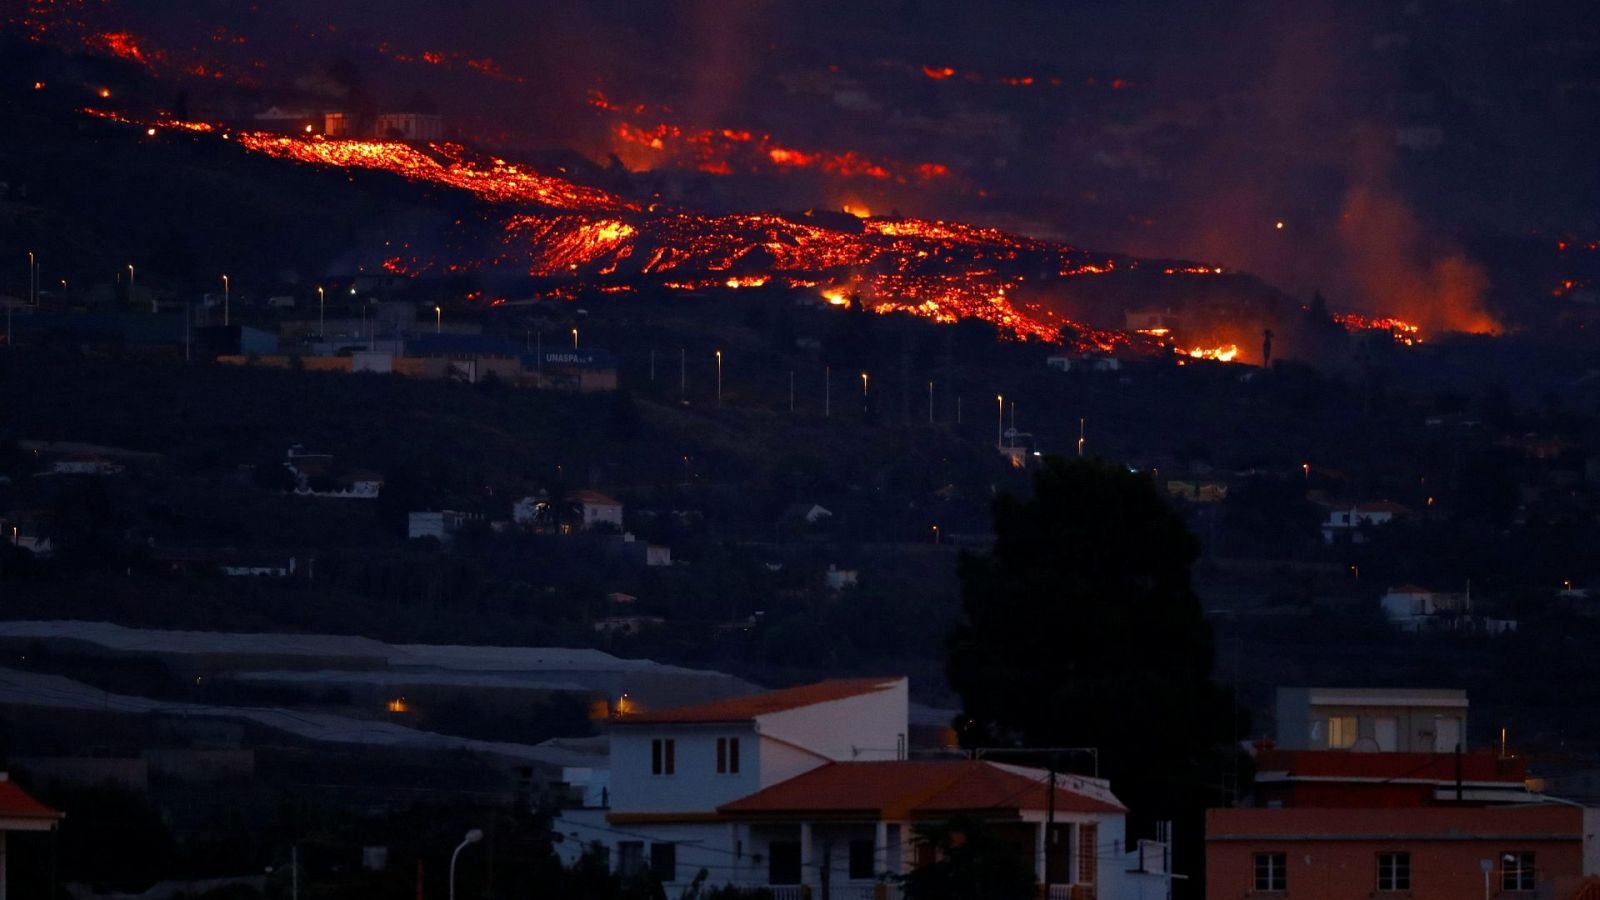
(553,227)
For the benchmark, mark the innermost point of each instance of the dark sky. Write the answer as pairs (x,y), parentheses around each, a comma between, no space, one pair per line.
(1382,134)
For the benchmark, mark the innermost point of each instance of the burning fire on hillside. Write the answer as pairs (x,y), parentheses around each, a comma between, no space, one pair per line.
(551,226)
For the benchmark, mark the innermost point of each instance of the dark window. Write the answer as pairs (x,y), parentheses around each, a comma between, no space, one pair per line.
(1394,871)
(662,756)
(630,857)
(727,756)
(1271,872)
(783,862)
(863,860)
(1516,871)
(664,861)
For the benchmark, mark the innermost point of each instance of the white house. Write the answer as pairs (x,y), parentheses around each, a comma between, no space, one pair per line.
(598,509)
(81,464)
(792,789)
(1412,608)
(1347,522)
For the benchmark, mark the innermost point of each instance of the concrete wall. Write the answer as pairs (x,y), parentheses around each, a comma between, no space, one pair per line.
(867,727)
(695,785)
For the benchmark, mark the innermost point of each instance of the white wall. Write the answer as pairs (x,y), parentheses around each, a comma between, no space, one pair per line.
(866,727)
(781,761)
(695,785)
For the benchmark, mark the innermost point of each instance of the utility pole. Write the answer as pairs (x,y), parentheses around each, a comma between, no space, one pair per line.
(999,420)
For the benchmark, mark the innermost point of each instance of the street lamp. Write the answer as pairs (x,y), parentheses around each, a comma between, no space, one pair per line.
(438,320)
(1000,420)
(936,534)
(32,279)
(719,378)
(574,338)
(225,292)
(866,406)
(473,836)
(322,309)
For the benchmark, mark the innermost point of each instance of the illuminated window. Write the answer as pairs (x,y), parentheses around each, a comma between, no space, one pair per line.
(1394,871)
(1272,872)
(1516,871)
(663,756)
(727,756)
(1341,732)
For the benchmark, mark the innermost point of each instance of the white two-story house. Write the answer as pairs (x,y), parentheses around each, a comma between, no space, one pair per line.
(809,791)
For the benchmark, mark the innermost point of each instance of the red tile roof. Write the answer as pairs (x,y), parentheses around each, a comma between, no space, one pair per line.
(1547,820)
(910,788)
(1480,766)
(16,804)
(744,709)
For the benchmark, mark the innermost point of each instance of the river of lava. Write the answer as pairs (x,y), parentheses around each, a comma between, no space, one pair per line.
(944,271)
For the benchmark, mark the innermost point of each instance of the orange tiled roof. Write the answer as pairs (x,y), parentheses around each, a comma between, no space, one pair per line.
(16,804)
(1479,766)
(743,709)
(1555,822)
(909,788)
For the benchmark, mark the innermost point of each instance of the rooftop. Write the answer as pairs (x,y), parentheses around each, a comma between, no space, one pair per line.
(1337,765)
(745,709)
(911,788)
(1534,821)
(16,804)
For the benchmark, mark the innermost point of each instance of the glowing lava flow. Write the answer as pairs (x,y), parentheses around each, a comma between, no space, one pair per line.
(591,239)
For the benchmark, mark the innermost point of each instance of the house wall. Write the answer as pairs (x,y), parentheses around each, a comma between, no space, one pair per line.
(1347,870)
(781,761)
(1416,721)
(695,785)
(865,727)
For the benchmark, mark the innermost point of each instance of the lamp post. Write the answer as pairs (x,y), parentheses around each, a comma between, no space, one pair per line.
(322,309)
(225,297)
(719,379)
(438,320)
(1000,420)
(473,836)
(32,278)
(574,338)
(865,405)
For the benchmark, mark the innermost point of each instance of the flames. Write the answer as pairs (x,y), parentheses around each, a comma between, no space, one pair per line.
(590,239)
(1402,331)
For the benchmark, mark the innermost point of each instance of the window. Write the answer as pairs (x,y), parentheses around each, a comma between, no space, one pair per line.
(1272,872)
(663,756)
(1341,732)
(1516,871)
(727,756)
(1394,871)
(783,862)
(630,857)
(664,861)
(863,861)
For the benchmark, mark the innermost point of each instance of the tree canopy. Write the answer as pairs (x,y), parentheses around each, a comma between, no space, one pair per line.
(1081,629)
